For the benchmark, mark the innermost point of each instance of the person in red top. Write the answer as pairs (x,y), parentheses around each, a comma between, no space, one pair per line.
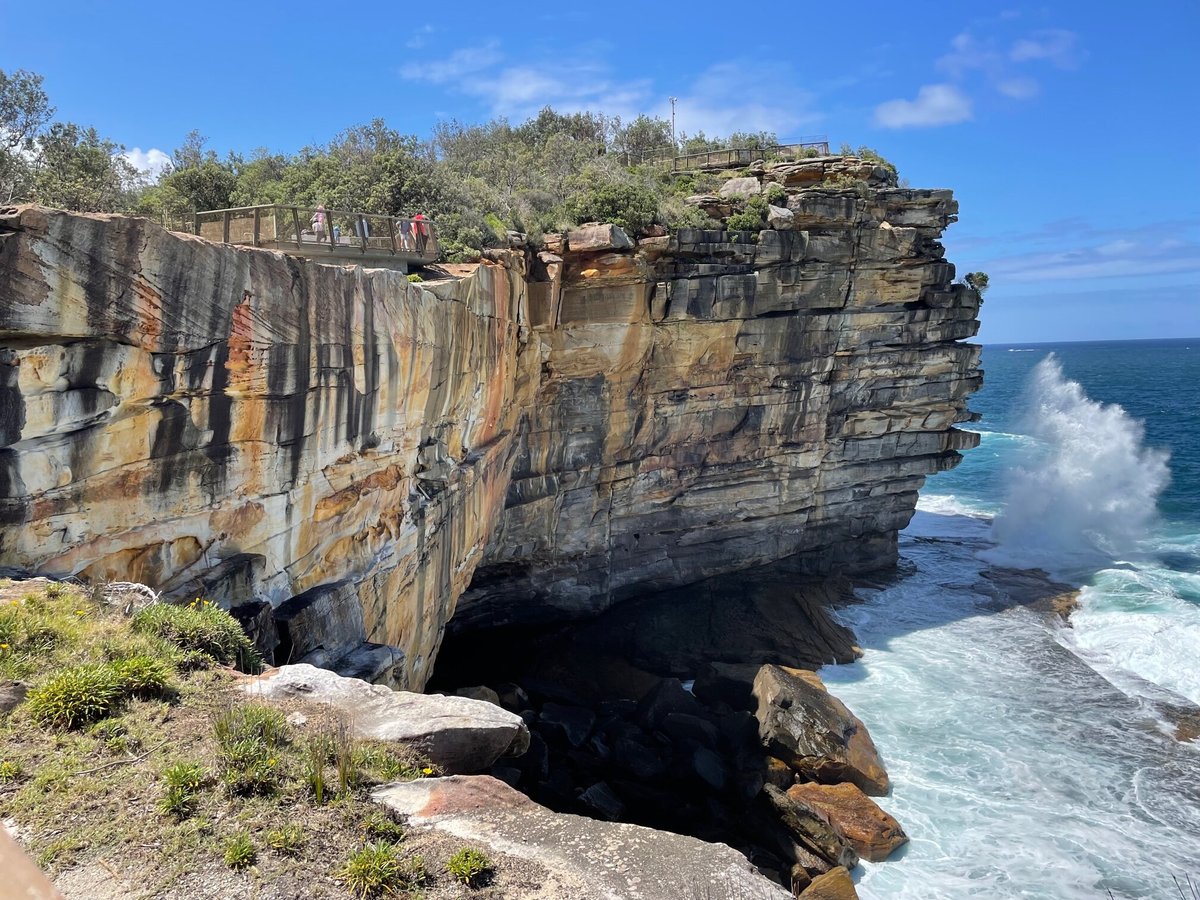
(421,230)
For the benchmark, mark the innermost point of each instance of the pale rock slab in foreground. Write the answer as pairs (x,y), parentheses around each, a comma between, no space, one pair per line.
(584,859)
(456,733)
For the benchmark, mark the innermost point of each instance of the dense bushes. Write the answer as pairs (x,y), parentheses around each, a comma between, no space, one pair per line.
(631,206)
(203,631)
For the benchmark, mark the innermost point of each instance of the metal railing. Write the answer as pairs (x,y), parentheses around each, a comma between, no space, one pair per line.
(737,157)
(321,232)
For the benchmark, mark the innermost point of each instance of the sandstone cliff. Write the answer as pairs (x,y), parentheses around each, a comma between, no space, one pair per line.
(557,430)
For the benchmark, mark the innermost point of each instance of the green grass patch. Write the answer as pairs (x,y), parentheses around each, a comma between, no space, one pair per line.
(251,740)
(373,871)
(183,782)
(286,840)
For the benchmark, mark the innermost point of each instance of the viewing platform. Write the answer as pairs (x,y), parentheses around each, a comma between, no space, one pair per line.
(336,236)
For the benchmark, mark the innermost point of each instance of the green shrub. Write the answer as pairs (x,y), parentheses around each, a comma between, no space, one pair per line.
(977,281)
(183,783)
(631,206)
(201,627)
(414,871)
(286,840)
(143,676)
(76,696)
(372,870)
(250,738)
(239,851)
(414,278)
(469,866)
(752,218)
(776,195)
(10,771)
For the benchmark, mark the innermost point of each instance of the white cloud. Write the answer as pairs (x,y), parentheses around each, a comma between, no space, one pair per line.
(715,103)
(153,163)
(936,104)
(1056,46)
(1018,88)
(458,65)
(967,53)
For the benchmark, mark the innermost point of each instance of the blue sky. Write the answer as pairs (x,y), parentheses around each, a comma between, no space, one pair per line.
(1067,130)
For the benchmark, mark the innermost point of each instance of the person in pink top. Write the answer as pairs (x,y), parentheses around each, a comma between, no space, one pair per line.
(421,230)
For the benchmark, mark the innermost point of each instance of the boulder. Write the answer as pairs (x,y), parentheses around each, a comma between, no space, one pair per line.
(12,694)
(741,187)
(580,858)
(800,722)
(596,236)
(854,816)
(836,884)
(807,829)
(601,800)
(780,218)
(456,733)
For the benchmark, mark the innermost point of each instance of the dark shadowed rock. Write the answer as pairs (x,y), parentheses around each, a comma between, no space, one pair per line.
(812,731)
(574,723)
(602,801)
(583,859)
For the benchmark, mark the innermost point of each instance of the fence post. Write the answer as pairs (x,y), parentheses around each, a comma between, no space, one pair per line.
(296,224)
(225,227)
(392,232)
(257,226)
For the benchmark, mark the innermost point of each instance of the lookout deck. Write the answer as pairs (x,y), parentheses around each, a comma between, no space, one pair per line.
(328,235)
(743,156)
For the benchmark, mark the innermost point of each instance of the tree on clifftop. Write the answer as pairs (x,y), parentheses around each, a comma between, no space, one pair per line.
(977,280)
(24,111)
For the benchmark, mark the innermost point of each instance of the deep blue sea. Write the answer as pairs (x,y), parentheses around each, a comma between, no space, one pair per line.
(1030,759)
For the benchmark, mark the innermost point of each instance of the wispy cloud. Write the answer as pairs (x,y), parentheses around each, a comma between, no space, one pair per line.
(1056,46)
(936,104)
(1019,88)
(714,102)
(420,37)
(462,63)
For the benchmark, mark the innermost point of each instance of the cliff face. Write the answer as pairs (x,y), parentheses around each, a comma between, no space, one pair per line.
(708,403)
(355,450)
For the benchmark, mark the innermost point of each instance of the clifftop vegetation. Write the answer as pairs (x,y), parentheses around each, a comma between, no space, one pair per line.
(475,181)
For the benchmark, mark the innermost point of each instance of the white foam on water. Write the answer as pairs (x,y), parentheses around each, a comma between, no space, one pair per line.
(1017,770)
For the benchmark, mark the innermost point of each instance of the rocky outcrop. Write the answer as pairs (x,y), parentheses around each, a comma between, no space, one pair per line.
(455,733)
(581,858)
(549,434)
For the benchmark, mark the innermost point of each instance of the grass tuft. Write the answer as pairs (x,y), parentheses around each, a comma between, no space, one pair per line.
(287,840)
(239,851)
(184,781)
(250,741)
(372,870)
(381,825)
(76,696)
(201,628)
(470,866)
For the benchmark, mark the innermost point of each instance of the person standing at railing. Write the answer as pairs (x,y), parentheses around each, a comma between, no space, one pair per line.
(422,231)
(405,234)
(318,222)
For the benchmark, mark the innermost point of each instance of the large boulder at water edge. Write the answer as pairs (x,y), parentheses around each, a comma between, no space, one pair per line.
(800,722)
(833,885)
(853,816)
(575,857)
(456,733)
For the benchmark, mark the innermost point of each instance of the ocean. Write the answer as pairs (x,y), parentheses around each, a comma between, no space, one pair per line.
(1031,759)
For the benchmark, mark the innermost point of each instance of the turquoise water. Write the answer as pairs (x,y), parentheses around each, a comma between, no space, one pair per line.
(1029,759)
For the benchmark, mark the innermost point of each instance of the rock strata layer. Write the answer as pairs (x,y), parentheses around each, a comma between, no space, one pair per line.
(549,434)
